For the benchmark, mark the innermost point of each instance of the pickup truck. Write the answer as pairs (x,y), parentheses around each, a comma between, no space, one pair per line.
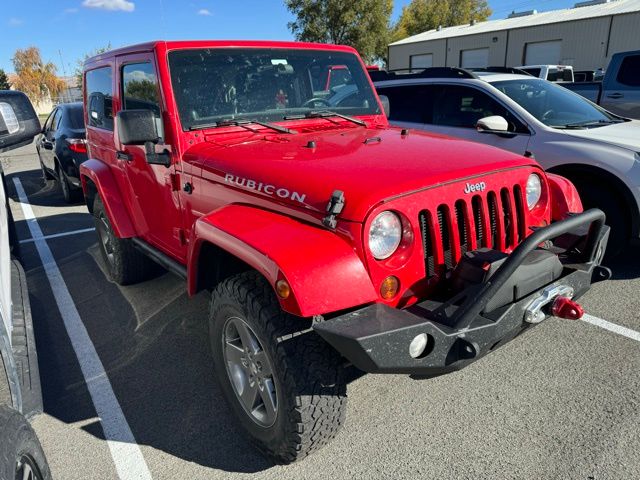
(21,455)
(619,91)
(551,73)
(325,237)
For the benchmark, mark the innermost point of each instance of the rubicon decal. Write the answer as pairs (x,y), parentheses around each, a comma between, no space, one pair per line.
(267,188)
(475,187)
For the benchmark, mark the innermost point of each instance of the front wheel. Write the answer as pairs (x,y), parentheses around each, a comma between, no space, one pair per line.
(285,385)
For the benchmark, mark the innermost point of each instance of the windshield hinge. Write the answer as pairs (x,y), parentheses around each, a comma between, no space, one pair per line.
(334,207)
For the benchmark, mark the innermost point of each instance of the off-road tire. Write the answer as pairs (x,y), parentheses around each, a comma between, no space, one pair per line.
(18,442)
(594,195)
(125,265)
(307,373)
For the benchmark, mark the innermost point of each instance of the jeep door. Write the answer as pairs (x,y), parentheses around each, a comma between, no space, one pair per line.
(454,110)
(155,199)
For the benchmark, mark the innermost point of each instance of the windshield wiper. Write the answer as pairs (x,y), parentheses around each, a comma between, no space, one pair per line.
(590,123)
(242,123)
(326,114)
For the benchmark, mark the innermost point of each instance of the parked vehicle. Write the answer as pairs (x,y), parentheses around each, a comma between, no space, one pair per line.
(62,148)
(21,455)
(324,235)
(619,90)
(568,135)
(551,73)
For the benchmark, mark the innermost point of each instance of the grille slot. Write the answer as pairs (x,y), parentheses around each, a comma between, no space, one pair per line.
(476,204)
(461,220)
(507,212)
(493,219)
(445,234)
(426,227)
(501,212)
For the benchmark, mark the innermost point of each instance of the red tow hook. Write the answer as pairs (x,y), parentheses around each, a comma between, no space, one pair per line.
(564,307)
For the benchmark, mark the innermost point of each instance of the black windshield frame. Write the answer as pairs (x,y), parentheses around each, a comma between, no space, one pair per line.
(218,84)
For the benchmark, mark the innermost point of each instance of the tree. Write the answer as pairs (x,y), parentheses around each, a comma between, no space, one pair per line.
(362,24)
(34,77)
(423,15)
(80,63)
(4,81)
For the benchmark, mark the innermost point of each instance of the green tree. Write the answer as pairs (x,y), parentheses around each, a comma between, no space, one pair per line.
(423,15)
(4,81)
(362,24)
(80,63)
(35,77)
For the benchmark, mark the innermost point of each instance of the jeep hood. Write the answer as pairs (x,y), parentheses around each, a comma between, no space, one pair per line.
(625,135)
(369,165)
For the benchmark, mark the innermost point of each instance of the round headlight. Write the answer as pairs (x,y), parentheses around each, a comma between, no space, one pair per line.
(385,234)
(534,190)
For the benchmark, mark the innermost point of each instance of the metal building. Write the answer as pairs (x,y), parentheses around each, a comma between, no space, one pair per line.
(584,36)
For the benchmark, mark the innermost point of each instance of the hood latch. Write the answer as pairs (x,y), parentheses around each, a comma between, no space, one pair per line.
(334,207)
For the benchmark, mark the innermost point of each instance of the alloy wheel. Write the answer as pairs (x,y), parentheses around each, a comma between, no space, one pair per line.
(250,372)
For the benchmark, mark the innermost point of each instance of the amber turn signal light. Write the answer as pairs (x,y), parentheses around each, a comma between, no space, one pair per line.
(389,287)
(283,289)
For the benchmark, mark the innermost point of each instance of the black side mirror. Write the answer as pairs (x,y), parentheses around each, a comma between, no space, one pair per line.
(385,105)
(96,108)
(137,127)
(19,122)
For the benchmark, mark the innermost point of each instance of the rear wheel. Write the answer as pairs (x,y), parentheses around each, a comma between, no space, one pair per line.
(21,456)
(284,383)
(71,194)
(125,265)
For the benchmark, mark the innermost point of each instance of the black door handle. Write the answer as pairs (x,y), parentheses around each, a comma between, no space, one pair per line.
(123,156)
(615,95)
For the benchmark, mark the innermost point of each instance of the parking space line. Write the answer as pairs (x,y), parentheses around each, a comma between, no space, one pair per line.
(63,234)
(128,459)
(612,327)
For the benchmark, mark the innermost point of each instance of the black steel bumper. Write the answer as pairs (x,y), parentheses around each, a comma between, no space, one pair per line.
(456,332)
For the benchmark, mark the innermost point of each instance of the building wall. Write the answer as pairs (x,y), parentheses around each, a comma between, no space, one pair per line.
(584,43)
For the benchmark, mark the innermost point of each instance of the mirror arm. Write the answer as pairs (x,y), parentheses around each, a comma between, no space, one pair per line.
(153,158)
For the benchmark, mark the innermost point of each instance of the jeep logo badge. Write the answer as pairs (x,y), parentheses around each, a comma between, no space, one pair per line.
(475,187)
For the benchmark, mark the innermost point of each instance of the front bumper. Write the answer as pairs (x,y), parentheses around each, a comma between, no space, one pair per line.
(377,338)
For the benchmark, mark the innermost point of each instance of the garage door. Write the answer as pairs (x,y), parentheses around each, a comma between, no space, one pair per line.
(420,62)
(543,53)
(476,58)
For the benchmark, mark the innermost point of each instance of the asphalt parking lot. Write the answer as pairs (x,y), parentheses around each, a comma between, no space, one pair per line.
(562,401)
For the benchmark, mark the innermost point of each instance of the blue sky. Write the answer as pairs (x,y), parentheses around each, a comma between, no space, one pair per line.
(65,30)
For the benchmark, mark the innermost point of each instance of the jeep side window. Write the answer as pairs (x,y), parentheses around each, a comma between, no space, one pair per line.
(460,106)
(410,103)
(140,87)
(100,98)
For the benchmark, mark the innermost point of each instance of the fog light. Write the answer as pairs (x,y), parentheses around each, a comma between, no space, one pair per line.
(283,289)
(418,345)
(389,287)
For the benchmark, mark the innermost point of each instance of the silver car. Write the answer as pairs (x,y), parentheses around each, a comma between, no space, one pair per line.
(567,134)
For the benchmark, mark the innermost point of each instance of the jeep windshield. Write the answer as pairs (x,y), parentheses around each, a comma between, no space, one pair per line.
(215,86)
(555,106)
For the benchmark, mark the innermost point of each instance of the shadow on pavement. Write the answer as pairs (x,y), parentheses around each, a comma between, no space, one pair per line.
(46,194)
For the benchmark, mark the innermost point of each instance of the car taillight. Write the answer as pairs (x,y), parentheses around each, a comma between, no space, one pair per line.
(78,145)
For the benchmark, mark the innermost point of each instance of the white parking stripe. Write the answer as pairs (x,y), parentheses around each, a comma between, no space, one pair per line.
(63,234)
(128,459)
(612,327)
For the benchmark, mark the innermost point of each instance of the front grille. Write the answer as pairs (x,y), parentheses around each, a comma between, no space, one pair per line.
(495,220)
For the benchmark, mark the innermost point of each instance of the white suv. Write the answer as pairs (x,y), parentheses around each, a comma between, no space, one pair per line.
(567,134)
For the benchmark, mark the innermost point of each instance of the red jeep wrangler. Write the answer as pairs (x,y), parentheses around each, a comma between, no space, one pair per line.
(326,237)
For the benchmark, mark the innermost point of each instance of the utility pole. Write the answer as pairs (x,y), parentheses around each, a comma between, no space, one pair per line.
(64,72)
